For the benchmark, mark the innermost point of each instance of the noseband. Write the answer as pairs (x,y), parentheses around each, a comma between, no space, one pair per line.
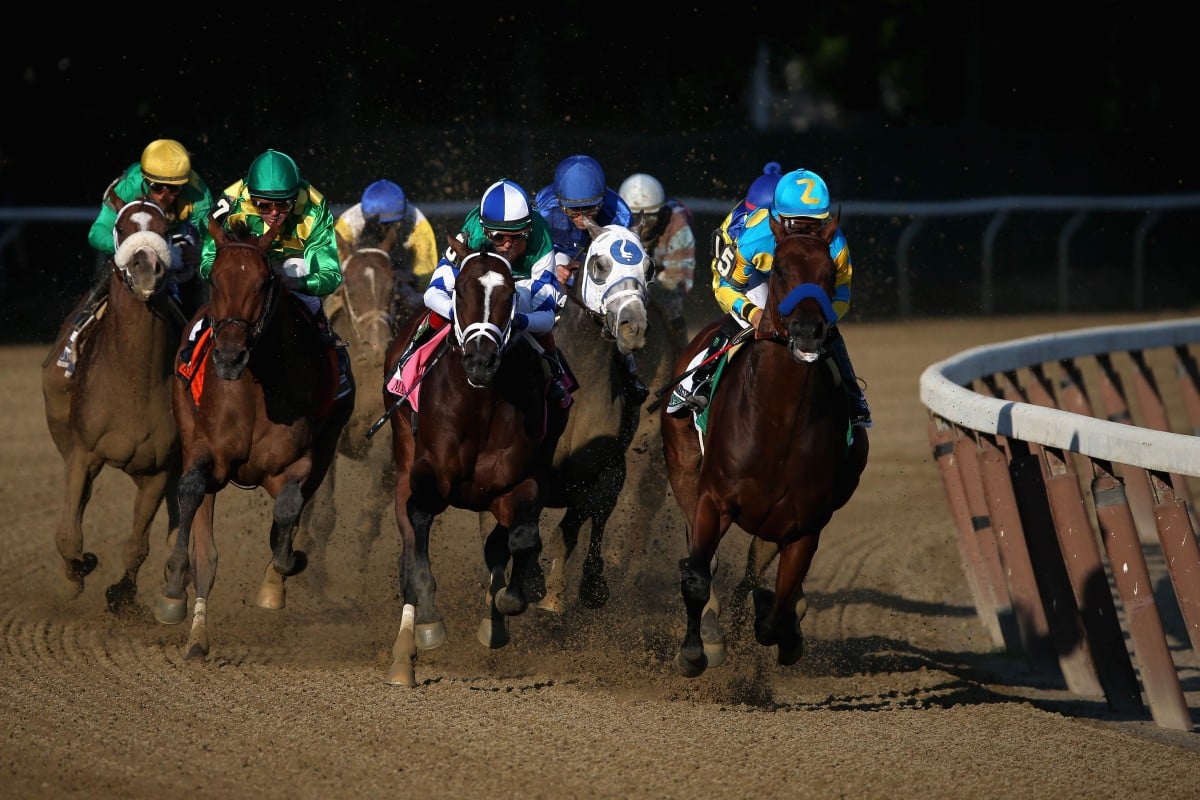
(485,328)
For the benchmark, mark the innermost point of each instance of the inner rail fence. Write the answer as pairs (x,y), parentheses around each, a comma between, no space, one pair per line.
(1066,490)
(1006,254)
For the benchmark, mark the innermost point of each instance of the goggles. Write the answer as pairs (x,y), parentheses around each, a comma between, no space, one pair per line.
(159,188)
(265,206)
(586,211)
(501,237)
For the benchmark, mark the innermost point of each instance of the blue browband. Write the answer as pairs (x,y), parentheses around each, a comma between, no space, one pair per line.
(808,290)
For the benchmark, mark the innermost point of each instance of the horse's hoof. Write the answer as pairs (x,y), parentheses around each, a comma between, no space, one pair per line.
(690,667)
(170,611)
(80,568)
(272,596)
(593,593)
(402,673)
(492,636)
(430,635)
(510,603)
(195,652)
(551,603)
(790,653)
(120,595)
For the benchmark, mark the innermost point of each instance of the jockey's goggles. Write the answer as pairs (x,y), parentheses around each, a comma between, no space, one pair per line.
(158,188)
(586,211)
(800,224)
(644,219)
(500,237)
(265,206)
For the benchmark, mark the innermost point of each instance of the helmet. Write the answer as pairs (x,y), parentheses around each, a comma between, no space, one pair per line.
(504,207)
(166,161)
(762,191)
(801,193)
(385,200)
(273,175)
(643,193)
(579,182)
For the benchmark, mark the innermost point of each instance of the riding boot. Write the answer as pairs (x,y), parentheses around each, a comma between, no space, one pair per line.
(84,317)
(331,339)
(860,413)
(556,392)
(635,390)
(701,392)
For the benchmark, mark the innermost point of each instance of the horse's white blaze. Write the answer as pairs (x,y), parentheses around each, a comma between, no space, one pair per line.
(490,282)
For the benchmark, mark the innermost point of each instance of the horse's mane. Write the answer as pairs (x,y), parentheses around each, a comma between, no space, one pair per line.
(239,231)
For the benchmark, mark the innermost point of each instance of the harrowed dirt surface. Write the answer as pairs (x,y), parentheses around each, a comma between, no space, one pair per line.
(900,694)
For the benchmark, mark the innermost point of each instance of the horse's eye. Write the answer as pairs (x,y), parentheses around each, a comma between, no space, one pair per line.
(598,269)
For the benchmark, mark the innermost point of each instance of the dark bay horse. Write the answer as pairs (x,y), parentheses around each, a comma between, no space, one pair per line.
(778,457)
(116,410)
(603,321)
(266,416)
(482,440)
(367,310)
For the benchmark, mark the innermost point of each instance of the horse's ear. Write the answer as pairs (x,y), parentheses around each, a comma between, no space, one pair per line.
(777,228)
(594,229)
(829,229)
(216,231)
(457,246)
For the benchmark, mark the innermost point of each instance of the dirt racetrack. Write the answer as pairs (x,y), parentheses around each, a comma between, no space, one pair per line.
(900,693)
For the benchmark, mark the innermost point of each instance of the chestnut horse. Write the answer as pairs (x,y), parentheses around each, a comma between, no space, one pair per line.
(116,409)
(265,416)
(778,456)
(482,440)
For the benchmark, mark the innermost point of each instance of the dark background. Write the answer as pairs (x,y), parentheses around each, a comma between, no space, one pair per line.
(889,101)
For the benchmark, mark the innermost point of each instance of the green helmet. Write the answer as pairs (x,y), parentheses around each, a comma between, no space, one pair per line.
(273,175)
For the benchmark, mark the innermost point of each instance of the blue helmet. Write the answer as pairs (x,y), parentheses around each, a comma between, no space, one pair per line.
(505,207)
(762,191)
(801,193)
(385,200)
(579,182)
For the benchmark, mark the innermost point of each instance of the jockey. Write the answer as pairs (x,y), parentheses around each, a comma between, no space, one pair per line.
(384,207)
(503,217)
(304,252)
(164,175)
(665,228)
(761,195)
(801,202)
(580,190)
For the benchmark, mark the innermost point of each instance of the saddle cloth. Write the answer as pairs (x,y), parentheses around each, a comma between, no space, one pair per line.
(406,382)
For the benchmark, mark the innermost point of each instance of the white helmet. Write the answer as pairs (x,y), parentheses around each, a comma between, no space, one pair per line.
(642,193)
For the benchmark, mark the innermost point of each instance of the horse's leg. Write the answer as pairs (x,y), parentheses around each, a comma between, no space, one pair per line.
(558,549)
(171,607)
(318,520)
(704,535)
(758,559)
(524,545)
(777,614)
(421,625)
(204,574)
(593,588)
(150,492)
(80,472)
(493,628)
(285,560)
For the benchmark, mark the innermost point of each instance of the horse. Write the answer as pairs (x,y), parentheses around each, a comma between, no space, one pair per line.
(778,456)
(265,415)
(604,320)
(367,309)
(483,439)
(116,410)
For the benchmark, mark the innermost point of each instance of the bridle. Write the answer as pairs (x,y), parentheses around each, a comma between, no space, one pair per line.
(372,316)
(485,328)
(251,330)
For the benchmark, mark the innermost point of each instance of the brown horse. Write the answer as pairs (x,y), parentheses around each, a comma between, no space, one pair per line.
(483,440)
(778,457)
(367,309)
(116,410)
(265,416)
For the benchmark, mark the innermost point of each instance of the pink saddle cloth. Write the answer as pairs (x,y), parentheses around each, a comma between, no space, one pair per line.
(406,382)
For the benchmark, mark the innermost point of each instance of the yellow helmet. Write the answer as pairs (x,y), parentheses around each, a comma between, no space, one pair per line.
(166,161)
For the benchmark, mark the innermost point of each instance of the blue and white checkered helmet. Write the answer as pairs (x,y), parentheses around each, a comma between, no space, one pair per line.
(505,207)
(801,193)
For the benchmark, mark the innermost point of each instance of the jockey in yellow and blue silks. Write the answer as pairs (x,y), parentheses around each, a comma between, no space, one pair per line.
(163,175)
(304,252)
(801,201)
(579,192)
